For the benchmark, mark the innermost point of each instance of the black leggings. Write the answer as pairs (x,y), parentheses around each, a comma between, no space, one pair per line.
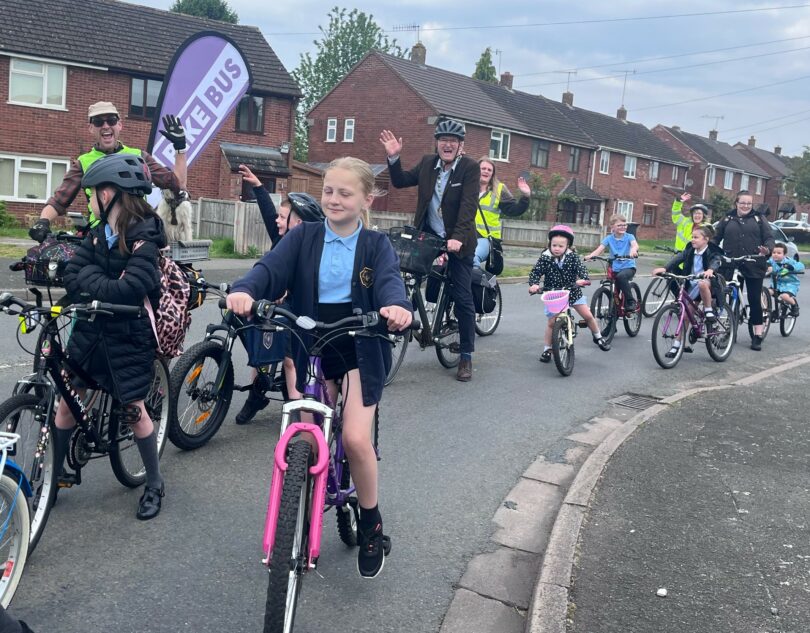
(753,288)
(623,278)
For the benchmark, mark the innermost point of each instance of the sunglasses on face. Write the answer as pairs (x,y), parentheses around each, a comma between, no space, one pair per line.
(110,120)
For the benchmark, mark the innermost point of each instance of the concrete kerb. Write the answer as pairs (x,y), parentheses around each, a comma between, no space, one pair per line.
(548,610)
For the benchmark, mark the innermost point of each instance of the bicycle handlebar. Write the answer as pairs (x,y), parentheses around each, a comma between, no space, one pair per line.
(616,258)
(667,275)
(742,258)
(7,300)
(667,249)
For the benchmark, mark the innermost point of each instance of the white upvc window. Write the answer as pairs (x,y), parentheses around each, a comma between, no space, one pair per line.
(759,186)
(348,131)
(37,84)
(744,179)
(625,209)
(711,176)
(499,145)
(629,166)
(331,130)
(676,172)
(604,162)
(728,181)
(30,179)
(654,169)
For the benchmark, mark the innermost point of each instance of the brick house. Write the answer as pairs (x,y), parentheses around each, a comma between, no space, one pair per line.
(637,173)
(776,194)
(51,73)
(716,167)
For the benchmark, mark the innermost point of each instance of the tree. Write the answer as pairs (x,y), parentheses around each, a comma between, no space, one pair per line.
(485,69)
(344,42)
(212,9)
(801,177)
(720,204)
(542,193)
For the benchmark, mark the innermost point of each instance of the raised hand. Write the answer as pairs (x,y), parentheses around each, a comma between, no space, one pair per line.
(524,187)
(173,130)
(248,176)
(392,144)
(686,196)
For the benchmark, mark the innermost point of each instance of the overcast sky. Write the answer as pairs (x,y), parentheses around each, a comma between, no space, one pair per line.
(776,109)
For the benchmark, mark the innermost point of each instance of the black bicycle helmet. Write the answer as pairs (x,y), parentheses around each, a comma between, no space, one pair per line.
(449,127)
(127,172)
(306,207)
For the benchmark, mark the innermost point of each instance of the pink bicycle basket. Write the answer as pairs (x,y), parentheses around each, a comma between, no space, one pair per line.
(555,300)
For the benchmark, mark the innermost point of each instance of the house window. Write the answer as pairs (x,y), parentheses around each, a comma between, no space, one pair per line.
(654,168)
(30,179)
(499,145)
(540,153)
(36,83)
(648,217)
(604,162)
(675,173)
(143,97)
(573,160)
(331,130)
(629,166)
(728,181)
(625,209)
(711,176)
(348,131)
(759,186)
(250,114)
(744,181)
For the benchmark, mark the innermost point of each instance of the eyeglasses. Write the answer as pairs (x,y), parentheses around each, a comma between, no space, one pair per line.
(745,204)
(449,141)
(110,119)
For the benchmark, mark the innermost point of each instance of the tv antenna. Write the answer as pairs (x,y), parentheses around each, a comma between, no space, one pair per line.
(717,118)
(409,27)
(624,87)
(498,52)
(566,72)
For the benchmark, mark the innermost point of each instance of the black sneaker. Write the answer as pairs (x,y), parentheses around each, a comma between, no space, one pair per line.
(630,306)
(253,405)
(756,343)
(602,343)
(709,315)
(545,357)
(794,310)
(673,351)
(374,547)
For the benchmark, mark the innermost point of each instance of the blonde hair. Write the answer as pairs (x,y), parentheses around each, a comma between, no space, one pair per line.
(365,175)
(493,182)
(616,218)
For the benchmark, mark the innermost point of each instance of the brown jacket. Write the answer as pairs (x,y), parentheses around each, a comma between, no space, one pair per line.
(459,201)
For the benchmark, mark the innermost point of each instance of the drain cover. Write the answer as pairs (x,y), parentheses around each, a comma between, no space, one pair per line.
(635,401)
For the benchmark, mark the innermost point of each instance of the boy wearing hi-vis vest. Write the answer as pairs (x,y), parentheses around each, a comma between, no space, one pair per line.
(105,127)
(494,200)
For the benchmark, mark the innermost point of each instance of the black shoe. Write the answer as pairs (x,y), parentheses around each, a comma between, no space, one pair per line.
(149,504)
(374,547)
(602,343)
(545,357)
(630,306)
(794,311)
(253,405)
(756,343)
(709,316)
(673,351)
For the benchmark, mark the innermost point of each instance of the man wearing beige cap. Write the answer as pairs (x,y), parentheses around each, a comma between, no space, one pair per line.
(105,127)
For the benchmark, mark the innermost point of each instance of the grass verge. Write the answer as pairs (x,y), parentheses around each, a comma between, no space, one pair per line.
(222,247)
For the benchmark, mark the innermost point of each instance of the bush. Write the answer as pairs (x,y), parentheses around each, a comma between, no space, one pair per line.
(6,219)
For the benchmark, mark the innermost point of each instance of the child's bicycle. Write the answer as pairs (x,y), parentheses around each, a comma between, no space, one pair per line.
(100,430)
(659,291)
(565,329)
(683,319)
(783,313)
(15,522)
(734,297)
(607,304)
(306,484)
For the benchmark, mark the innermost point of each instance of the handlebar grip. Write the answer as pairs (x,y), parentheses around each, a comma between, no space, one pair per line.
(222,303)
(115,308)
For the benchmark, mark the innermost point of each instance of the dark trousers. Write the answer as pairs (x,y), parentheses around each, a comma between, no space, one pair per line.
(753,287)
(460,271)
(623,278)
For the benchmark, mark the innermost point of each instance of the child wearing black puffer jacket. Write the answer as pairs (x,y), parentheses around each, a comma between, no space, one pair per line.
(118,263)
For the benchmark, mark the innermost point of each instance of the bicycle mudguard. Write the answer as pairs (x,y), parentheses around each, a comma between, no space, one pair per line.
(19,475)
(319,471)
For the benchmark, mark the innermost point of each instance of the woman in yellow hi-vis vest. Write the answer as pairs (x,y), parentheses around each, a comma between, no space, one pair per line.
(698,215)
(495,200)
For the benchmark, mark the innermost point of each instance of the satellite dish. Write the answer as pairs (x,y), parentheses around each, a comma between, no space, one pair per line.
(689,182)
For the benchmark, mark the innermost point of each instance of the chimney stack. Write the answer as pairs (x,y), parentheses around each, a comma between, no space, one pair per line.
(777,150)
(621,113)
(712,135)
(676,128)
(568,98)
(419,53)
(506,79)
(752,142)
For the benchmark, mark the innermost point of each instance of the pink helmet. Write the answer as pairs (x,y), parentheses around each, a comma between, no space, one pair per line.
(562,230)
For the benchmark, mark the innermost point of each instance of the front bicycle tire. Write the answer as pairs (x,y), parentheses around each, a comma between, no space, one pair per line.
(561,350)
(398,349)
(448,343)
(18,415)
(288,559)
(603,311)
(125,458)
(664,336)
(196,414)
(720,341)
(786,322)
(765,302)
(14,537)
(486,324)
(632,320)
(655,296)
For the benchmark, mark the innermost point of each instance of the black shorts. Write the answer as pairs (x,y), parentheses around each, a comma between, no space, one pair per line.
(339,355)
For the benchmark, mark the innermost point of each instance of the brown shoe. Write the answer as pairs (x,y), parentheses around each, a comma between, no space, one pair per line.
(464,373)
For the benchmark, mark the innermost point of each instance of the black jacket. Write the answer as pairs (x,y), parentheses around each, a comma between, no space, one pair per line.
(743,235)
(683,263)
(116,352)
(268,211)
(459,200)
(556,278)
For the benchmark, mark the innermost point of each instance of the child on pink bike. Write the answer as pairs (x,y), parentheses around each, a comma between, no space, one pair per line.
(562,269)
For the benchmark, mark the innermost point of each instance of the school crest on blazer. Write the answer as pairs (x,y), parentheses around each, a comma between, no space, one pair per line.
(367,277)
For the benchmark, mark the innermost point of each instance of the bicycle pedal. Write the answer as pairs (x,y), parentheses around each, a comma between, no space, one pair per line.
(582,323)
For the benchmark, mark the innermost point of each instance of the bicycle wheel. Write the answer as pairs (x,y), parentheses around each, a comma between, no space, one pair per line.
(604,313)
(664,337)
(33,453)
(765,301)
(486,324)
(290,550)
(15,533)
(632,321)
(786,321)
(125,458)
(448,343)
(657,294)
(196,414)
(398,350)
(562,351)
(720,340)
